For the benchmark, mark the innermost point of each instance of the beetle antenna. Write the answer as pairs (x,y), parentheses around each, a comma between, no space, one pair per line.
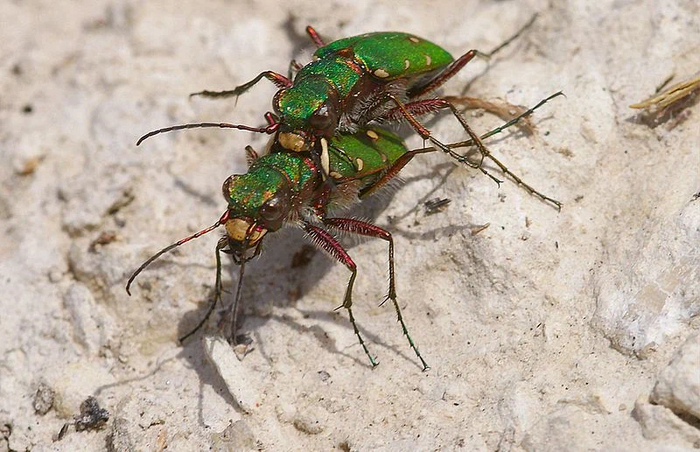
(221,221)
(272,128)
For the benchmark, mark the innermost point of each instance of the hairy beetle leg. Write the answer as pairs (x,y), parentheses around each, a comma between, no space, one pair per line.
(405,111)
(279,80)
(429,105)
(501,109)
(324,240)
(363,228)
(485,153)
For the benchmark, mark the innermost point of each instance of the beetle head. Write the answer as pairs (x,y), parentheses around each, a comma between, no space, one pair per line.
(258,201)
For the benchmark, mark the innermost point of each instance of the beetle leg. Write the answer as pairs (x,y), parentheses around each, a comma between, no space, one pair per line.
(315,37)
(425,134)
(459,63)
(391,172)
(435,104)
(324,240)
(416,108)
(294,66)
(501,109)
(512,122)
(278,79)
(354,226)
(402,110)
(485,153)
(239,291)
(223,242)
(404,159)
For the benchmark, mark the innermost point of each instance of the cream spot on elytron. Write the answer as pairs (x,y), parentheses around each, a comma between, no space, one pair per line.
(381,73)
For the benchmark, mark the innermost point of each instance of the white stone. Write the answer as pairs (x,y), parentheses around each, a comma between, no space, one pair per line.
(74,382)
(239,380)
(88,319)
(661,424)
(678,387)
(534,344)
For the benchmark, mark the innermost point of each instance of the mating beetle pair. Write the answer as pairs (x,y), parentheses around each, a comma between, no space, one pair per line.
(324,153)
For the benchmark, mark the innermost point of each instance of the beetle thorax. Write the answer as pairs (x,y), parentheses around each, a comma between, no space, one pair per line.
(308,110)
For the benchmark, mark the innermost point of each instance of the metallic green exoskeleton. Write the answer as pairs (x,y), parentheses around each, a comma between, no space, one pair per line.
(284,188)
(351,79)
(326,152)
(289,188)
(383,76)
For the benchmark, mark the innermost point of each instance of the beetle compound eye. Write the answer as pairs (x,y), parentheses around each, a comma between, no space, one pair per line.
(322,118)
(273,210)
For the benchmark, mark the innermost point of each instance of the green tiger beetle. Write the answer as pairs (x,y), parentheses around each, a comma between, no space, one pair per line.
(290,188)
(381,76)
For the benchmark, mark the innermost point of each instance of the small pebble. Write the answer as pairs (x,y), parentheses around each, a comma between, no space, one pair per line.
(55,275)
(43,399)
(237,436)
(307,422)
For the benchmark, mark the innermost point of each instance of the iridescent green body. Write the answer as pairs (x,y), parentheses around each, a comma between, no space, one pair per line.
(323,154)
(347,74)
(337,69)
(301,188)
(400,55)
(266,177)
(364,155)
(356,162)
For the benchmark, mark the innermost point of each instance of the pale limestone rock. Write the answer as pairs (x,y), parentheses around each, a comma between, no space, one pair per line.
(678,387)
(236,437)
(649,289)
(661,424)
(74,382)
(239,380)
(91,325)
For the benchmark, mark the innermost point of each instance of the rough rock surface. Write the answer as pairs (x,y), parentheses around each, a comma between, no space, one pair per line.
(678,387)
(545,331)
